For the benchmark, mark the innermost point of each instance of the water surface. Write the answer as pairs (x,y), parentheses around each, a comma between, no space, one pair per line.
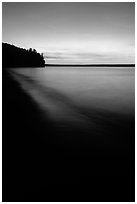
(60,90)
(90,143)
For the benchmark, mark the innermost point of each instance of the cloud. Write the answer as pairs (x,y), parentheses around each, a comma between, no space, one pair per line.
(86,57)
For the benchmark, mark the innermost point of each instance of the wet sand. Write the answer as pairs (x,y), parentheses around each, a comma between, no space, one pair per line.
(43,161)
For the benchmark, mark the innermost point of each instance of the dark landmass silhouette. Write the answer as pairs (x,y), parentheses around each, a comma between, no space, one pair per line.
(13,56)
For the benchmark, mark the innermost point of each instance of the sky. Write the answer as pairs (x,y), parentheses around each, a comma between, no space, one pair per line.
(72,32)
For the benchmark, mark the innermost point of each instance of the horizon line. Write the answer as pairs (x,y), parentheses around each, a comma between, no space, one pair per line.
(108,64)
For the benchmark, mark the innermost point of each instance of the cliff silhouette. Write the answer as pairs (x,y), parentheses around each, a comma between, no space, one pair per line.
(13,56)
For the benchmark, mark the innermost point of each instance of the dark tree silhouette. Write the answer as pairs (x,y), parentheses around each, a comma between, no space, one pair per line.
(13,56)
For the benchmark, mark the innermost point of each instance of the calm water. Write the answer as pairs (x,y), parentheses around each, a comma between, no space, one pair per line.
(91,139)
(64,91)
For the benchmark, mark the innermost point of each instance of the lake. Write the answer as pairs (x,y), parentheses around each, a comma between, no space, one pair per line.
(81,98)
(102,89)
(100,101)
(89,144)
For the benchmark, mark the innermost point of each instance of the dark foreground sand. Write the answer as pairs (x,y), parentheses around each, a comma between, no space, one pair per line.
(42,162)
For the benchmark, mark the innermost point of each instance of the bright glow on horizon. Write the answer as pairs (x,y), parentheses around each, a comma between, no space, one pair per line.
(107,51)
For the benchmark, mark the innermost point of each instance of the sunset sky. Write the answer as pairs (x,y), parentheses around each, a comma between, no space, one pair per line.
(72,32)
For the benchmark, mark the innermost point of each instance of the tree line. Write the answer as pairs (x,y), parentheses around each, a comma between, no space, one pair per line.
(13,56)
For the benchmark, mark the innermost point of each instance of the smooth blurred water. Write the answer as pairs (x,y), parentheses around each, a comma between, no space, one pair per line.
(92,110)
(106,89)
(83,129)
